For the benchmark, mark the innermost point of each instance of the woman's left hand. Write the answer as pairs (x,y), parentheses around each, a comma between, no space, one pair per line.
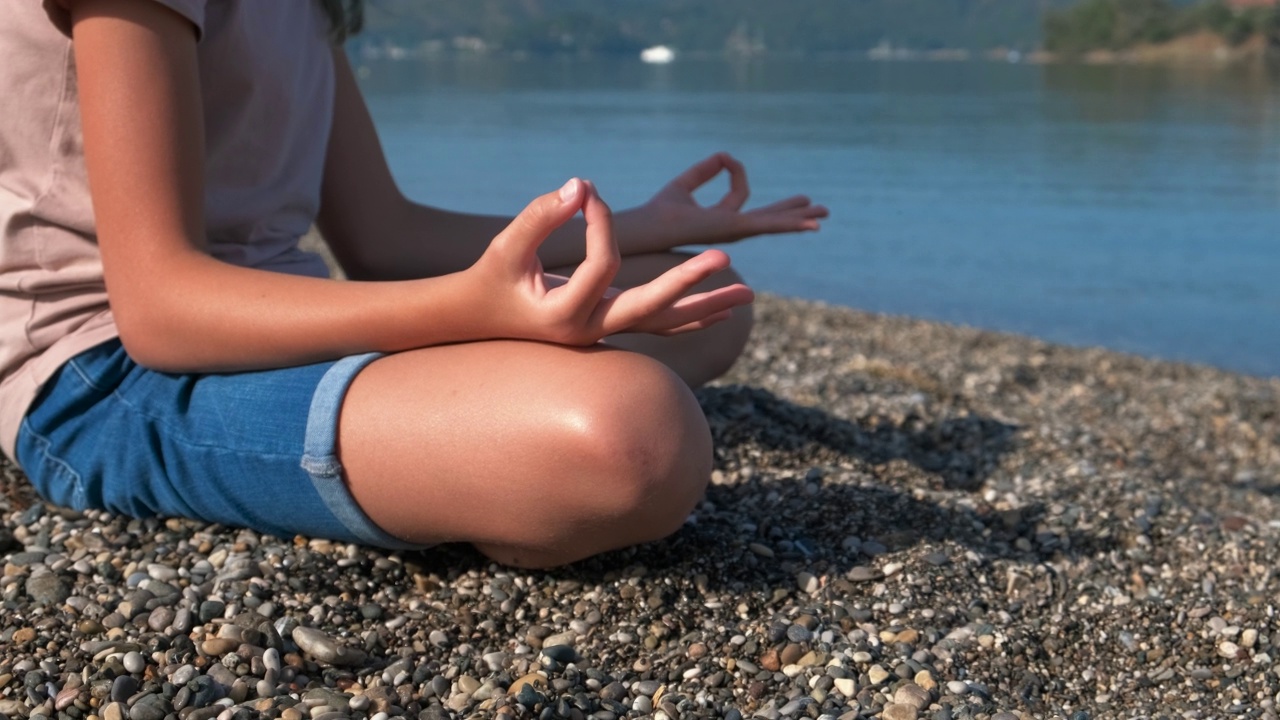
(673,217)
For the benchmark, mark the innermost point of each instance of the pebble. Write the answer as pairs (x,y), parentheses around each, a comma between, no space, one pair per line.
(899,712)
(134,662)
(799,634)
(647,688)
(123,688)
(47,589)
(912,695)
(325,648)
(862,573)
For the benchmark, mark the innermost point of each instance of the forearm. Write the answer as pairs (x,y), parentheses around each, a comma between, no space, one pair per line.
(209,316)
(418,241)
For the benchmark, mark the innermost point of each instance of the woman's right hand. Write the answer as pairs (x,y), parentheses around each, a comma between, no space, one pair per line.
(516,299)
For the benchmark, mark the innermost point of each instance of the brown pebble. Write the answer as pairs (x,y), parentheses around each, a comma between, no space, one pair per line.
(218,647)
(697,651)
(899,712)
(536,679)
(908,636)
(924,679)
(769,661)
(791,653)
(24,635)
(291,714)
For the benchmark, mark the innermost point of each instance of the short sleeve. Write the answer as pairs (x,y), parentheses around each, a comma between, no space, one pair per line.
(192,10)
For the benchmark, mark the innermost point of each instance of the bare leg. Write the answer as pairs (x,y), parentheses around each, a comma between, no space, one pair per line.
(697,357)
(538,454)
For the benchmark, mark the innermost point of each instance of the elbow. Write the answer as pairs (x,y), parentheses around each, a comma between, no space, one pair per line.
(148,344)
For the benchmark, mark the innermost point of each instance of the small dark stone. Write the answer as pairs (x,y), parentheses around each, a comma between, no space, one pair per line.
(149,707)
(440,686)
(211,609)
(799,634)
(529,697)
(561,653)
(123,688)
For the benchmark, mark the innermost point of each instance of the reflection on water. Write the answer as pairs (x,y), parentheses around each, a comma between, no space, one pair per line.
(1135,207)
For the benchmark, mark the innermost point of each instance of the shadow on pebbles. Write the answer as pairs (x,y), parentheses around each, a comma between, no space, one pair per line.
(907,520)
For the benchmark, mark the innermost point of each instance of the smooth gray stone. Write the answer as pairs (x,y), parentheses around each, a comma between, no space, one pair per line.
(123,688)
(271,659)
(47,589)
(211,609)
(646,688)
(149,707)
(183,675)
(134,662)
(161,618)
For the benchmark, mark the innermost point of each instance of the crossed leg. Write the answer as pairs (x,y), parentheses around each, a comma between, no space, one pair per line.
(537,454)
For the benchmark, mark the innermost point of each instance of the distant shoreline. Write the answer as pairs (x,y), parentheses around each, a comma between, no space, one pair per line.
(1202,48)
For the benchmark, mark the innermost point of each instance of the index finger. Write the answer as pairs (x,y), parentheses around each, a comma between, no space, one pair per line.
(738,189)
(701,172)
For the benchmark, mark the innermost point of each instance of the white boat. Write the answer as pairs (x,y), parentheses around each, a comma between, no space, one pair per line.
(657,55)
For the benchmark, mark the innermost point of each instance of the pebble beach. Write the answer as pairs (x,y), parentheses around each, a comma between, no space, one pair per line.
(907,520)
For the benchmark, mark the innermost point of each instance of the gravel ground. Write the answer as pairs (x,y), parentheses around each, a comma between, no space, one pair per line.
(908,520)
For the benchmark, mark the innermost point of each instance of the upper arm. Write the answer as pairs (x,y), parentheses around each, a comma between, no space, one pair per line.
(143,141)
(359,203)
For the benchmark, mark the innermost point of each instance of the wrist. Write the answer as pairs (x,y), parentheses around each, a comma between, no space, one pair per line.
(641,230)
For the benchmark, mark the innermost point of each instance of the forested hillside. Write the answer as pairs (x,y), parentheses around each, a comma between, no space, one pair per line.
(708,26)
(1121,24)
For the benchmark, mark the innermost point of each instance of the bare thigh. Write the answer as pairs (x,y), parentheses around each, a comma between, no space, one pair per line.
(538,454)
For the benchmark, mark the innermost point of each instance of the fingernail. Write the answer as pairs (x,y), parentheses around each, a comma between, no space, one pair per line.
(570,190)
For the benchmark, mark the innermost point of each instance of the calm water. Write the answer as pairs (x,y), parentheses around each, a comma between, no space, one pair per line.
(1136,208)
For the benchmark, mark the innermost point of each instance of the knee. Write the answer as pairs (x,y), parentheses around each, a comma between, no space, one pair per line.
(651,449)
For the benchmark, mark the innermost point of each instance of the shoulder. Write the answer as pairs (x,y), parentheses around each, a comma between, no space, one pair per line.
(59,12)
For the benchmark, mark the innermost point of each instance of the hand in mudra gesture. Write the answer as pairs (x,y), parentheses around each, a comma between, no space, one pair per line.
(676,216)
(522,301)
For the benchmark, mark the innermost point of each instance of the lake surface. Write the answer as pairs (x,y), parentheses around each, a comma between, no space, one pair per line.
(1134,208)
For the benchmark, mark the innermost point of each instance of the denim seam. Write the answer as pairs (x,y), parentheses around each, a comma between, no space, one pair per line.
(44,444)
(84,376)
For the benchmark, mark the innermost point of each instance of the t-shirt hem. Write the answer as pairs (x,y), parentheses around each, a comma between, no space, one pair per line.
(19,390)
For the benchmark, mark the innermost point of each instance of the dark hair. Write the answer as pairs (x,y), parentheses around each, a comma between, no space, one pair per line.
(346,17)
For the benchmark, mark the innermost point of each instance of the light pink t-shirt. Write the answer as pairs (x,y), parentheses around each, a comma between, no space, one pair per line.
(266,79)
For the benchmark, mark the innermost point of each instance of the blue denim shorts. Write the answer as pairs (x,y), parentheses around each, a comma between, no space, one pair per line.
(250,449)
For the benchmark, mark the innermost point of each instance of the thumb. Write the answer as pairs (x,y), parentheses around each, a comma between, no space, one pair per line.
(527,231)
